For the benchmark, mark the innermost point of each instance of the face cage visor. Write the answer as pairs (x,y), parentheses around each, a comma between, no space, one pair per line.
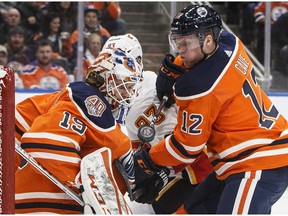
(180,42)
(124,90)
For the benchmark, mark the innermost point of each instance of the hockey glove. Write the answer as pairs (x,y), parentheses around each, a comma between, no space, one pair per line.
(152,186)
(150,177)
(167,76)
(144,166)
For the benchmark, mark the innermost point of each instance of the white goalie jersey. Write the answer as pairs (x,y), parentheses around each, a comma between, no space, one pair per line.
(144,108)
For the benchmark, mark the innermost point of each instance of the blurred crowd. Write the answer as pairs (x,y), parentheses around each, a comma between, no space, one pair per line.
(250,16)
(39,39)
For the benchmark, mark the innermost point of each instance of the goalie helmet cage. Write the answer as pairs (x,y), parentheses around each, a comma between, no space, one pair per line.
(7,140)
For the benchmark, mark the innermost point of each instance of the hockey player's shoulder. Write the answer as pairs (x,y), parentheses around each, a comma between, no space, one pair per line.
(92,104)
(205,76)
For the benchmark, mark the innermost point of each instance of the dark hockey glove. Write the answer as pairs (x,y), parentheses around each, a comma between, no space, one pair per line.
(167,76)
(152,186)
(149,177)
(144,166)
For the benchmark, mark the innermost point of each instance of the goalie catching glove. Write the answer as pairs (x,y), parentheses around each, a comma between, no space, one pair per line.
(167,76)
(149,177)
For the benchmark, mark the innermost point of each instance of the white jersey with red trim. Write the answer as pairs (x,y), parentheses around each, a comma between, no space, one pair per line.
(142,112)
(144,109)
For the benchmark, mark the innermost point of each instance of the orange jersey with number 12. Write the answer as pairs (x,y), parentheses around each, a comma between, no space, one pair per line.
(221,106)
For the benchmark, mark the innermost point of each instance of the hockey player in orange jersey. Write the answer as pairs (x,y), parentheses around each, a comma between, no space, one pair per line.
(75,122)
(28,110)
(221,106)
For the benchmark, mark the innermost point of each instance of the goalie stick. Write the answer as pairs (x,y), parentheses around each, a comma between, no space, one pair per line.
(53,179)
(133,194)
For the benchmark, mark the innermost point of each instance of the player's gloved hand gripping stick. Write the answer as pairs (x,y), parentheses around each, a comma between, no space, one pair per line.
(150,178)
(146,133)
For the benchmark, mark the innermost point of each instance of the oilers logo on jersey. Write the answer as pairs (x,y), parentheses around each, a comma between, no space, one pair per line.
(95,106)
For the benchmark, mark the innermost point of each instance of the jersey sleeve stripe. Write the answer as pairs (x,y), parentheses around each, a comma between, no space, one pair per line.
(57,157)
(18,130)
(42,195)
(285,132)
(174,154)
(241,146)
(268,153)
(21,120)
(47,146)
(181,148)
(41,205)
(52,137)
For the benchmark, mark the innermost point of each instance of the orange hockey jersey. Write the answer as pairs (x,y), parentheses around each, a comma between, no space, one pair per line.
(74,123)
(34,76)
(26,112)
(221,106)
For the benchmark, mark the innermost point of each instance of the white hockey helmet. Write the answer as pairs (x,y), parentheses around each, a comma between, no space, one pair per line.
(127,43)
(118,75)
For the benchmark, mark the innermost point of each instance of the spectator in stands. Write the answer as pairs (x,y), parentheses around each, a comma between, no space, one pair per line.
(277,9)
(12,19)
(16,47)
(91,24)
(31,15)
(109,17)
(62,49)
(4,62)
(68,14)
(4,7)
(42,73)
(94,46)
(3,55)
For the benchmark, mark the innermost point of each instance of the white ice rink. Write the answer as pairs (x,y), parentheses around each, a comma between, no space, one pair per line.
(281,207)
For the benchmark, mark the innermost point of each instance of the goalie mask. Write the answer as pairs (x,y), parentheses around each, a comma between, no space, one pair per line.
(127,43)
(117,75)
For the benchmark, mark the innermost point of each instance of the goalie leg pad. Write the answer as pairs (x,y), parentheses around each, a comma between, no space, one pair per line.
(100,188)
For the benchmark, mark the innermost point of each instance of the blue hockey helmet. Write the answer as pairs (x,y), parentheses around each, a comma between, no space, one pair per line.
(196,19)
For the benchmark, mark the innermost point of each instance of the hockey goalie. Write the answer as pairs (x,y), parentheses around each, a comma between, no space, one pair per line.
(60,129)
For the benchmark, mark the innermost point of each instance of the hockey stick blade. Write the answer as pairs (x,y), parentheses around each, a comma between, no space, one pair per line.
(133,194)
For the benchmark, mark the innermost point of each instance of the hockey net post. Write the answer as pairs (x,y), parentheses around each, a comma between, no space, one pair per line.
(7,140)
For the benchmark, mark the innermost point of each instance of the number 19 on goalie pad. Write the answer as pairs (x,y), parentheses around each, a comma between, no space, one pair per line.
(100,188)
